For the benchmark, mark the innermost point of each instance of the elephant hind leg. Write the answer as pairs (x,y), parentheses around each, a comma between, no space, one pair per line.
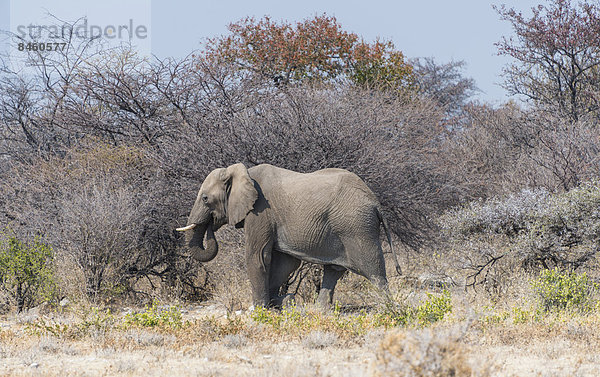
(369,261)
(331,275)
(282,266)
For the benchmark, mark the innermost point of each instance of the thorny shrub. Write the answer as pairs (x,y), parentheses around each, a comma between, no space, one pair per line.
(105,210)
(534,229)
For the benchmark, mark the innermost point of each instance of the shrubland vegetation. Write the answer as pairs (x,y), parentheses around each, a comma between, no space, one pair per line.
(102,153)
(26,271)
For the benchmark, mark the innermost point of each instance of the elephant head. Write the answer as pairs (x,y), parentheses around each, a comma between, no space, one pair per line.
(226,196)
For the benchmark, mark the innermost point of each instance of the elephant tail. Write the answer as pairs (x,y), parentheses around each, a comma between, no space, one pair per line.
(389,238)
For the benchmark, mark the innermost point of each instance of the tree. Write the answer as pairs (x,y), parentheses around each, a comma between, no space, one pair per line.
(444,83)
(557,53)
(315,49)
(380,65)
(25,270)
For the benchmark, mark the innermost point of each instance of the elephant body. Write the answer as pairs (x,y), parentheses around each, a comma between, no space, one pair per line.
(329,217)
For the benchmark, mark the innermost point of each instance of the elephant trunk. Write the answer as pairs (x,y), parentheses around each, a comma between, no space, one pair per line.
(195,238)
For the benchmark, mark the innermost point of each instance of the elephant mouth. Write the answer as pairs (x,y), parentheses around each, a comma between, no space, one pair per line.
(217,222)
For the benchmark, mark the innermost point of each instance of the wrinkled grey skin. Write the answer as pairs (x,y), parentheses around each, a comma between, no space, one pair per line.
(329,217)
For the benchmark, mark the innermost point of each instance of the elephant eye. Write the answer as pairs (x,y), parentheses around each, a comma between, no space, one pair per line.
(205,198)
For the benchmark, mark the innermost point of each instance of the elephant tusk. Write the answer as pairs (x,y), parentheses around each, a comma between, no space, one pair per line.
(189,227)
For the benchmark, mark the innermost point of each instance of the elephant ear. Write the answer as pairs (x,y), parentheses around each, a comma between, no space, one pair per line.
(242,193)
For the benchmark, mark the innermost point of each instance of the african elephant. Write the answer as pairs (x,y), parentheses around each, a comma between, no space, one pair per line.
(329,217)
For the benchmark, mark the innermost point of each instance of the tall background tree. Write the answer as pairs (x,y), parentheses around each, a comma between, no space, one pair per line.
(556,56)
(445,83)
(313,50)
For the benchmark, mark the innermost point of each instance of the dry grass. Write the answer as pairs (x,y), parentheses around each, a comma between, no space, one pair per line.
(477,338)
(319,339)
(423,353)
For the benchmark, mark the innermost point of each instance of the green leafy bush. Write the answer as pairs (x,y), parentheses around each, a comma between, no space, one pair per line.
(558,290)
(42,327)
(393,314)
(434,308)
(290,317)
(431,310)
(26,271)
(156,316)
(95,319)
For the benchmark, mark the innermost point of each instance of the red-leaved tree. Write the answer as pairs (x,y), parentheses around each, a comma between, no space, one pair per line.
(316,50)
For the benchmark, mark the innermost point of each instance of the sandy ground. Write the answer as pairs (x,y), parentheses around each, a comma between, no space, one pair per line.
(290,359)
(279,359)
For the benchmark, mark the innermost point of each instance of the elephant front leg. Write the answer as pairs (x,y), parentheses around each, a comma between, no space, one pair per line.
(282,266)
(258,263)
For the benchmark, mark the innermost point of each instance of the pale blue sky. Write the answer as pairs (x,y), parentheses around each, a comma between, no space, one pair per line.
(460,29)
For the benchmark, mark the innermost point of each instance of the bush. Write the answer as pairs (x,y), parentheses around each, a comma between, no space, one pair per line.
(90,321)
(433,309)
(496,216)
(156,316)
(26,271)
(535,229)
(503,150)
(558,290)
(105,210)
